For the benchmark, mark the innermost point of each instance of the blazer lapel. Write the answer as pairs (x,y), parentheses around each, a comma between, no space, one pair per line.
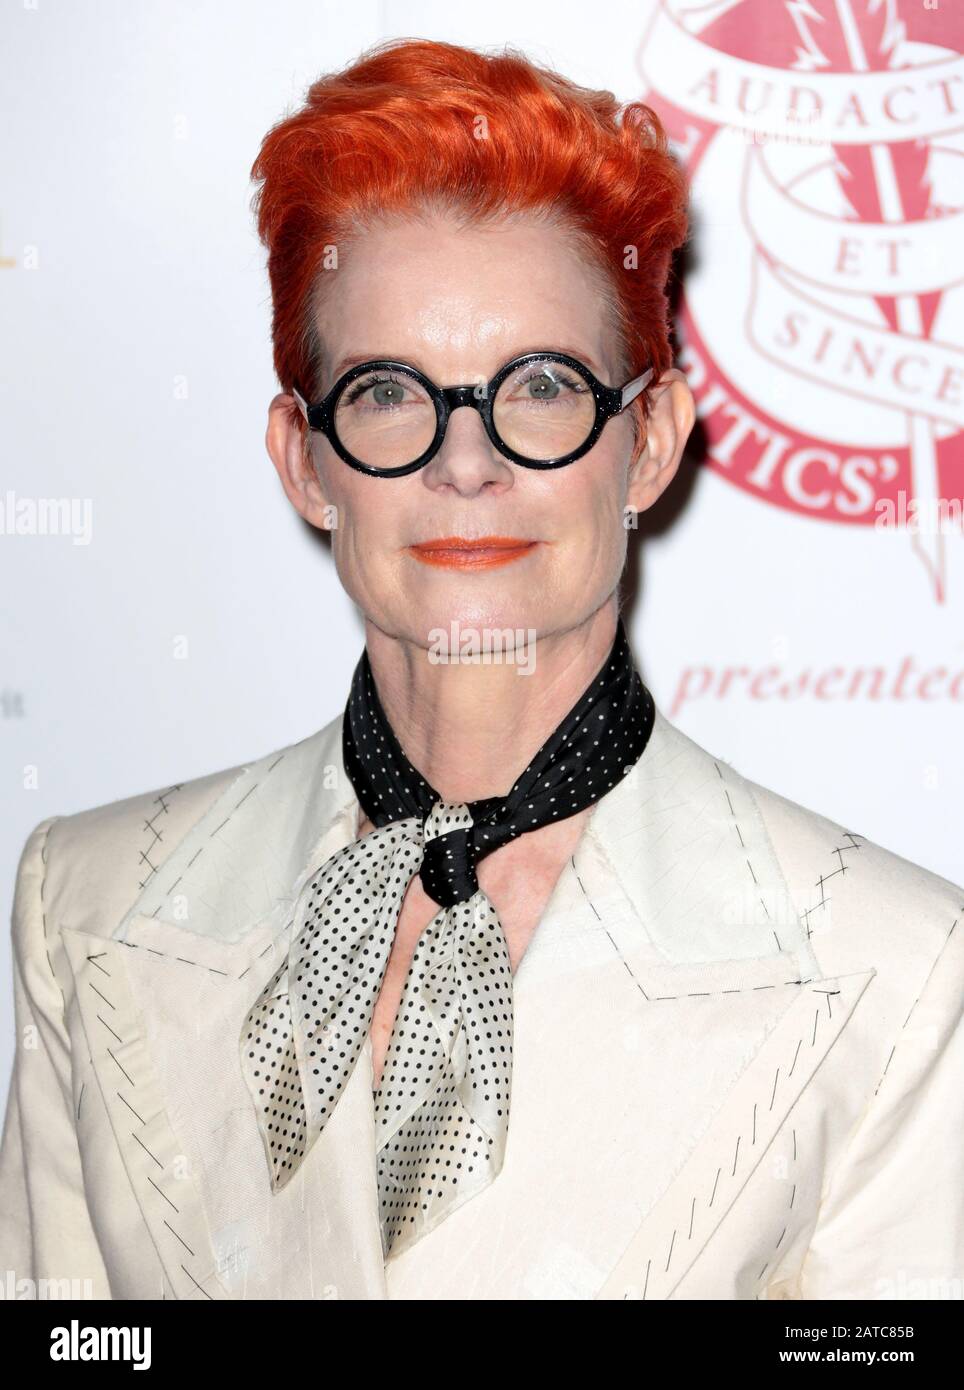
(163,1000)
(683,1220)
(715,924)
(123,1045)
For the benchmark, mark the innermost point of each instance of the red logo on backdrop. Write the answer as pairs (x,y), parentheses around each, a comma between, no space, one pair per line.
(821,322)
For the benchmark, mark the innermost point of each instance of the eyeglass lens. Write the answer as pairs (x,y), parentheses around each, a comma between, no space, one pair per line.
(543,410)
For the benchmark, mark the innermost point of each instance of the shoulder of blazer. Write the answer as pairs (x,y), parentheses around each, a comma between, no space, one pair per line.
(101,860)
(861,903)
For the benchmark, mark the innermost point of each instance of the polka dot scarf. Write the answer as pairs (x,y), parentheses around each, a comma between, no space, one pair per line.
(442,1108)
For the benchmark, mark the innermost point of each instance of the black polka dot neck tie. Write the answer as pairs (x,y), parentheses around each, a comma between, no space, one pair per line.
(442,1106)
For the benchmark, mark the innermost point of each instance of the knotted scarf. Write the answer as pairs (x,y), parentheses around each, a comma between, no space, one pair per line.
(442,1106)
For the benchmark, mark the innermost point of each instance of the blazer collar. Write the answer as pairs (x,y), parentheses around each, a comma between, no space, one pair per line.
(681,832)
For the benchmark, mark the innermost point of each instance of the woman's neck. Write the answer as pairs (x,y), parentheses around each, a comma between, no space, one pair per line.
(471,727)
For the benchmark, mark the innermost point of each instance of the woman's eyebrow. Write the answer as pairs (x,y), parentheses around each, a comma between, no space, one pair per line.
(356,359)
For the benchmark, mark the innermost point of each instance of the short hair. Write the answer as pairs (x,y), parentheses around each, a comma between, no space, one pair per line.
(414,124)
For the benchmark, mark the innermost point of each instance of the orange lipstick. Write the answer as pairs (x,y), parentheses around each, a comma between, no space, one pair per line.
(457,552)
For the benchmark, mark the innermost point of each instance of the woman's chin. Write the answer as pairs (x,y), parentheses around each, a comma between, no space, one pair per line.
(473,625)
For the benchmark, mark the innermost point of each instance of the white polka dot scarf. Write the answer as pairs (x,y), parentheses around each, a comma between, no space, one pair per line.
(442,1108)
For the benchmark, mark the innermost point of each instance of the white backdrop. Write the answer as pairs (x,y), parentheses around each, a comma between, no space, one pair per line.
(171,631)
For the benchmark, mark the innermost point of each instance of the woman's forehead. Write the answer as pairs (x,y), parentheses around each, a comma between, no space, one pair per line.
(451,294)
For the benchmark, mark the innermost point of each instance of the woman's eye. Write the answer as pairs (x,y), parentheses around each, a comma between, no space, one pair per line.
(382,393)
(387,393)
(548,386)
(543,387)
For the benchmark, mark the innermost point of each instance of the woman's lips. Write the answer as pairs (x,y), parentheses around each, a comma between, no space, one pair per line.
(454,552)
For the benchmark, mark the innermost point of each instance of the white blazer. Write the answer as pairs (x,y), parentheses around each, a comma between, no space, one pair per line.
(738,1068)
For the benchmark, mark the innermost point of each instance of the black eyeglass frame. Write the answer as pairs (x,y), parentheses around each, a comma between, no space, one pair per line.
(610,401)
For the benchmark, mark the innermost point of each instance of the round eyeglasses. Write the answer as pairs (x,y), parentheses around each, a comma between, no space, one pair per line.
(541,410)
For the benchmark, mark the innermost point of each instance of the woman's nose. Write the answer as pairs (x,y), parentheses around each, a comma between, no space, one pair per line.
(467,459)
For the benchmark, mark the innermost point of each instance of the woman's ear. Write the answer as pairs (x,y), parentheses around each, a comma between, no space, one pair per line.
(662,440)
(289,444)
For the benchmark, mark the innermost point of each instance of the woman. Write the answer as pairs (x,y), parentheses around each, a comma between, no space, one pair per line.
(495,987)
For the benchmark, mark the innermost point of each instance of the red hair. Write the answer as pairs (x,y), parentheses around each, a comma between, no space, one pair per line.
(414,123)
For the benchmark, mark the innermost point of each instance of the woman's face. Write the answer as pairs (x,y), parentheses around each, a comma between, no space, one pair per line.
(459,303)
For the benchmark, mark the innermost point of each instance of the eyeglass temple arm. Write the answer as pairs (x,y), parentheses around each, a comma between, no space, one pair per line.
(632,388)
(302,403)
